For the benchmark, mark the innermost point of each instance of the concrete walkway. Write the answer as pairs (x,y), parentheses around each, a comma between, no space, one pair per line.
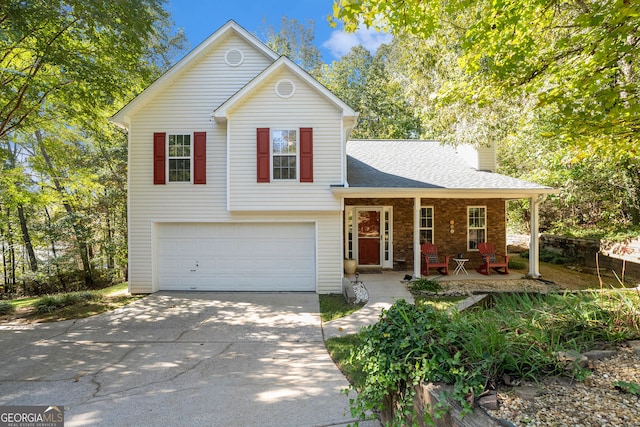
(384,289)
(182,359)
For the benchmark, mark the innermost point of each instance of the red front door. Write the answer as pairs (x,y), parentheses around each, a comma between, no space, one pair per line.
(369,237)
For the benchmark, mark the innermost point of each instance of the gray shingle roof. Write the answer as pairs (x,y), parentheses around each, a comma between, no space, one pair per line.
(420,165)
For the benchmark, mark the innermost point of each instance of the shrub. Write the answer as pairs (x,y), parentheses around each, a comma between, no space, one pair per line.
(50,303)
(425,285)
(550,257)
(6,308)
(520,336)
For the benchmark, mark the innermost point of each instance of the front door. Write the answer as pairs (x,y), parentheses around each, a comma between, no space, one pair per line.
(368,237)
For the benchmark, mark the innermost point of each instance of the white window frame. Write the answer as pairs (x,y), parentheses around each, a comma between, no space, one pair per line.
(296,155)
(189,157)
(423,225)
(473,226)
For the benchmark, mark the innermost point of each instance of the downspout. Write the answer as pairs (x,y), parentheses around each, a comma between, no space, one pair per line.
(534,240)
(417,256)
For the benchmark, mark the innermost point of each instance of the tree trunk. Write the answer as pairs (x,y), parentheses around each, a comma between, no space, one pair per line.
(78,228)
(54,253)
(26,238)
(12,256)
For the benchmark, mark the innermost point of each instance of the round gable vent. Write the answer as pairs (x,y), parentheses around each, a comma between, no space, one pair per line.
(285,88)
(234,57)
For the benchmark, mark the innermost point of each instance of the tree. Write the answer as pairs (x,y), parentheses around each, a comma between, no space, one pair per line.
(365,82)
(65,67)
(295,41)
(574,57)
(554,84)
(86,52)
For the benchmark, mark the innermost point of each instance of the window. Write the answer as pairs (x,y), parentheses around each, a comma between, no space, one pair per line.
(284,149)
(477,226)
(426,225)
(179,158)
(186,162)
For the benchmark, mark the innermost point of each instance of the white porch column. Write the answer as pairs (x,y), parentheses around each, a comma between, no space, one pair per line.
(417,203)
(534,241)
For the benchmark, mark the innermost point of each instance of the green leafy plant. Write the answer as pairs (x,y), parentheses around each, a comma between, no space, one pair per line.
(424,284)
(520,335)
(6,308)
(627,387)
(50,303)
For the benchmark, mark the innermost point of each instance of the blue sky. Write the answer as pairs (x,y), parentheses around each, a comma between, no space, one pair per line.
(200,18)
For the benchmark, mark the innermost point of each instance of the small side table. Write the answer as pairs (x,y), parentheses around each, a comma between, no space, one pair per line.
(460,265)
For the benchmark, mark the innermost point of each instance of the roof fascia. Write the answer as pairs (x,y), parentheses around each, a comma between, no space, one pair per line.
(220,113)
(442,193)
(121,118)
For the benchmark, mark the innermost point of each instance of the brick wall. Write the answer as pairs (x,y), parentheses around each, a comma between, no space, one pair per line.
(444,210)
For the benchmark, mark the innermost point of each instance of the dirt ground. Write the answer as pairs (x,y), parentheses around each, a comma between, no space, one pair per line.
(571,277)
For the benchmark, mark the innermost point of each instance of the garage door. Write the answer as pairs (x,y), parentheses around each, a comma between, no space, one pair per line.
(236,257)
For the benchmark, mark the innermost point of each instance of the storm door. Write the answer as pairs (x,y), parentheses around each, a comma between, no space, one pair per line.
(369,233)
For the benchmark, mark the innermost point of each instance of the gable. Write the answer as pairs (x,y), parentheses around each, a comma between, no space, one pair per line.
(288,74)
(239,49)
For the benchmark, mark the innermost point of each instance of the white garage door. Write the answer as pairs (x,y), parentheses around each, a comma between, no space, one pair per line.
(236,257)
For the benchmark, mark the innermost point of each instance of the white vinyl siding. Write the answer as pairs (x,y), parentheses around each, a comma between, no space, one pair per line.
(265,109)
(185,107)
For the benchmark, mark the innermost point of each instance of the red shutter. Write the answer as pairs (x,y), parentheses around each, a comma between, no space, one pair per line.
(159,158)
(263,163)
(306,154)
(199,157)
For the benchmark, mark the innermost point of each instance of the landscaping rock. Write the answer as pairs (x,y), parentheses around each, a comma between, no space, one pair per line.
(571,357)
(528,392)
(489,400)
(599,354)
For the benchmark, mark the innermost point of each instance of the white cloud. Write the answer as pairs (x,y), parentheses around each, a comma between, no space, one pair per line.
(341,42)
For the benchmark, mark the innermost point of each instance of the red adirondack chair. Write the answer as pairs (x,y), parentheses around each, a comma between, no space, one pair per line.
(431,260)
(489,259)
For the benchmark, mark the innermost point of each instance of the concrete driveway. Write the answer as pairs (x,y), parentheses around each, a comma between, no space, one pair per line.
(181,359)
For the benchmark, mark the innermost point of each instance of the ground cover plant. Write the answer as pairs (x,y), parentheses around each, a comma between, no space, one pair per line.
(520,335)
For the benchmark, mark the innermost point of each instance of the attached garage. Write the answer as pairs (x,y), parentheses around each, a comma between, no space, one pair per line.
(268,257)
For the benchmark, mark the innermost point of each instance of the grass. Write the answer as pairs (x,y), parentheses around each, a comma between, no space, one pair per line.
(438,302)
(340,350)
(73,305)
(334,306)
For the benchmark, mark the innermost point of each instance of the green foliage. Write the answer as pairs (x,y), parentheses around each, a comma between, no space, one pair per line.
(554,85)
(519,336)
(6,308)
(50,303)
(424,284)
(340,349)
(366,83)
(550,257)
(66,67)
(516,265)
(295,41)
(627,387)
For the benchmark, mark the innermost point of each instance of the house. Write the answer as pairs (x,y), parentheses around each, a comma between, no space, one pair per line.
(242,178)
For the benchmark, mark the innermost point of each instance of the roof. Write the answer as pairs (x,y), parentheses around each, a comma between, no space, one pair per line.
(121,118)
(426,167)
(220,114)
